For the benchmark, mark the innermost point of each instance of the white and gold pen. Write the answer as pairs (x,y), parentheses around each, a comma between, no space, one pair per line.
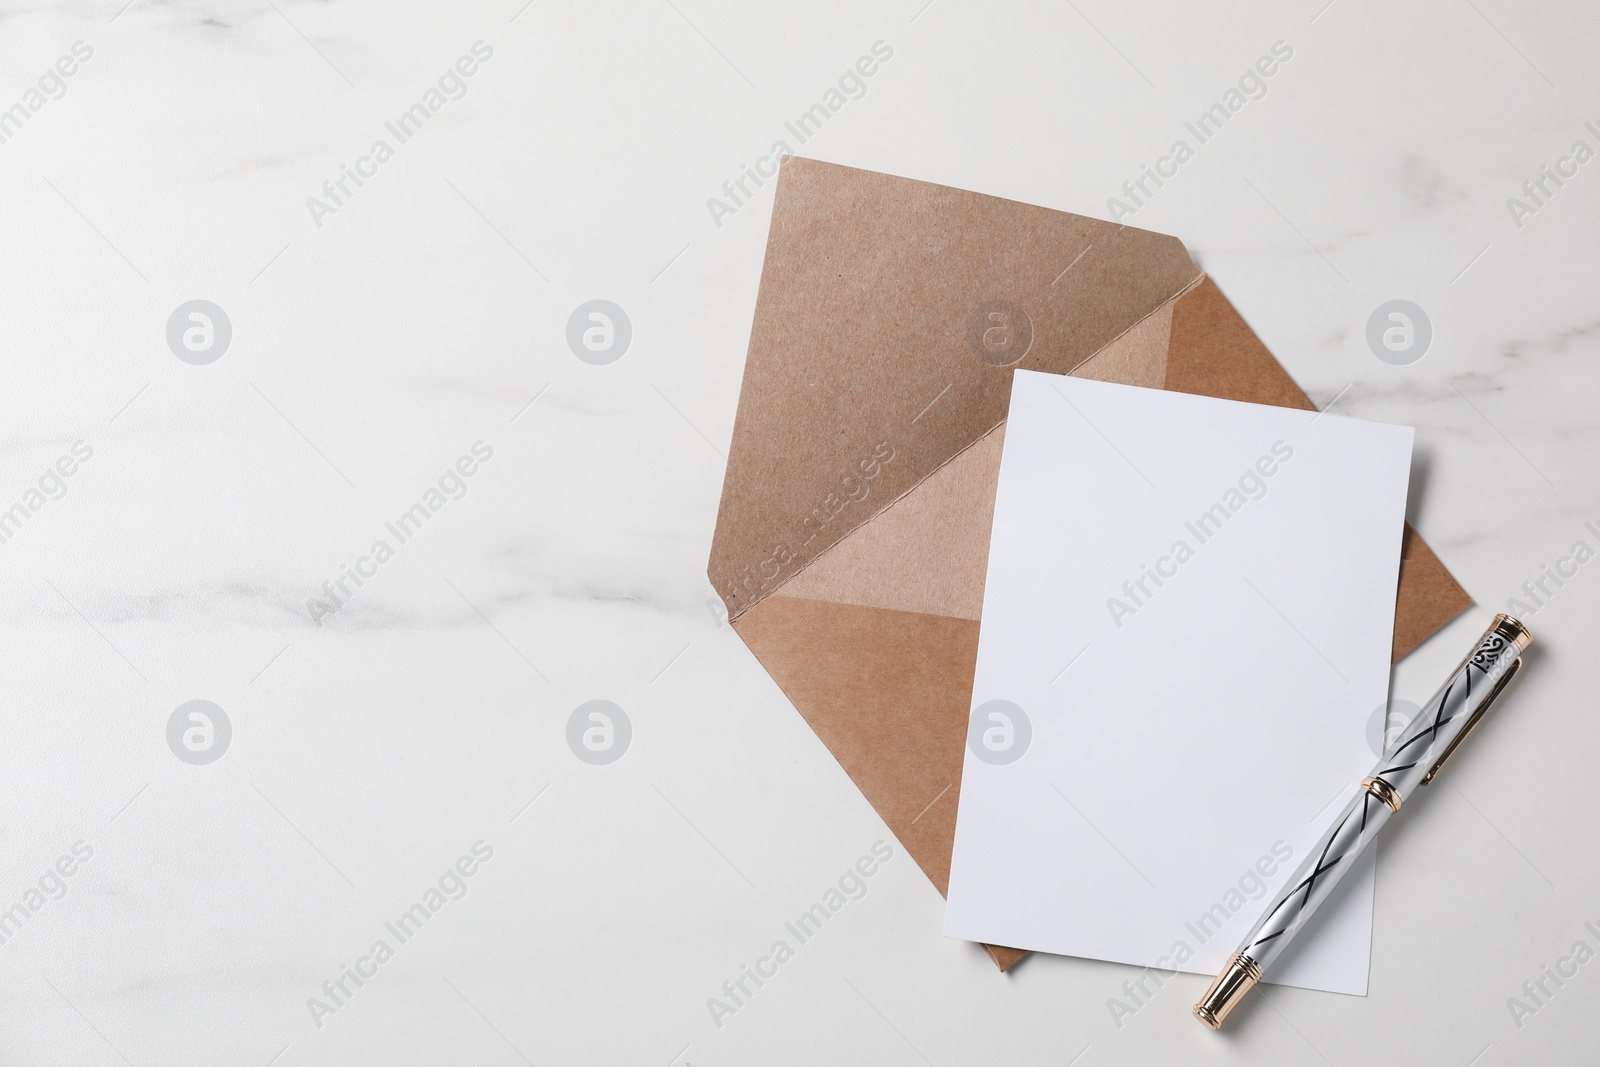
(1411,761)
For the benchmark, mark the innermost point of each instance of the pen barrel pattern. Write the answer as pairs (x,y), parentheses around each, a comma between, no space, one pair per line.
(1332,857)
(1418,750)
(1428,737)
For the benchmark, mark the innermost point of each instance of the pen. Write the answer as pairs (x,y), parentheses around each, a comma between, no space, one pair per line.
(1413,760)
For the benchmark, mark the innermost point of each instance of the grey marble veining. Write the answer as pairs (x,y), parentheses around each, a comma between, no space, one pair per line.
(377,338)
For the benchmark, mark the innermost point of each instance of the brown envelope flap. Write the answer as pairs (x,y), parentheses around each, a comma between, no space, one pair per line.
(875,641)
(889,317)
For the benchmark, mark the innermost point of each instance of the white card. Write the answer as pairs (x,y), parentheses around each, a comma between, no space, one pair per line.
(1187,627)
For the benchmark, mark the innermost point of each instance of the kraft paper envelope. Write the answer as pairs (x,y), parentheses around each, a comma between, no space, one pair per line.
(853,533)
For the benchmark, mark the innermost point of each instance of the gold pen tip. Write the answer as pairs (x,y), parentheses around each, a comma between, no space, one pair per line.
(1237,978)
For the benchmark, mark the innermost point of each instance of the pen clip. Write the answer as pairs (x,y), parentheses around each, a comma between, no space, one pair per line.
(1516,665)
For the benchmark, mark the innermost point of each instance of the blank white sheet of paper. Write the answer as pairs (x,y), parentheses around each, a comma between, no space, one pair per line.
(1187,628)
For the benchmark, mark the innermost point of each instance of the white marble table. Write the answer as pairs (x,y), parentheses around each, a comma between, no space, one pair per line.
(382,331)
